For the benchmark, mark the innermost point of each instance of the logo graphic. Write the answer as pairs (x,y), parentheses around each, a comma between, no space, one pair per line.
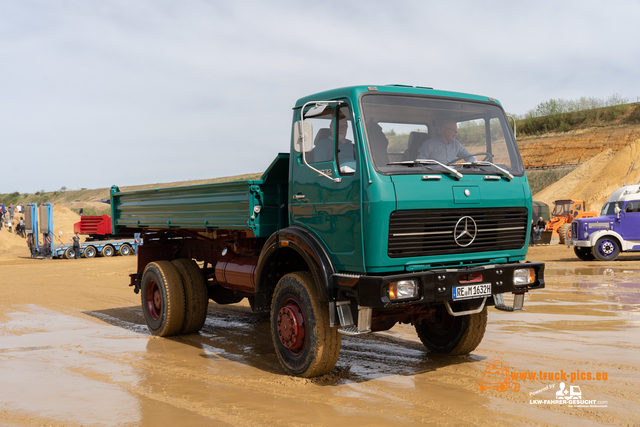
(574,393)
(496,376)
(465,231)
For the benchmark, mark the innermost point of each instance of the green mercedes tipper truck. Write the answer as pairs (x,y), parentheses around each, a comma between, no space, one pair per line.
(396,204)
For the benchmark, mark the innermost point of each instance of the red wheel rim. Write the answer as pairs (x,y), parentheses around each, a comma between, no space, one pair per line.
(291,327)
(154,300)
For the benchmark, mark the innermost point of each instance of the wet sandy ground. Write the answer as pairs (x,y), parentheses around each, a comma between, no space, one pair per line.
(74,351)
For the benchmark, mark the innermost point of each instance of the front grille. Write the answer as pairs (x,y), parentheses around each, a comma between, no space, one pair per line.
(414,233)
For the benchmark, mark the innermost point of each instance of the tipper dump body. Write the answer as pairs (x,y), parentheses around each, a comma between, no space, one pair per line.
(255,206)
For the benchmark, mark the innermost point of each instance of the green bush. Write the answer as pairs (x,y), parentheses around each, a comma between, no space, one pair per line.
(544,178)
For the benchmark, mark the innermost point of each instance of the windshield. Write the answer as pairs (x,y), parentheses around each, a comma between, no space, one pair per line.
(451,132)
(563,208)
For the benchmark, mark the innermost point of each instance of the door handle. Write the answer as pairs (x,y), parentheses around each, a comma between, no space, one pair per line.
(299,197)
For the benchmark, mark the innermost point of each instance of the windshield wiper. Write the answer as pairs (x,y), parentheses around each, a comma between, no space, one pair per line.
(428,162)
(485,163)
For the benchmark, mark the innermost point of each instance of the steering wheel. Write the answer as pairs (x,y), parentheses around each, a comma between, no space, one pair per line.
(488,157)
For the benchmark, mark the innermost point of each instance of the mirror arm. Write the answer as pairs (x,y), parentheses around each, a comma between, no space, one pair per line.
(514,125)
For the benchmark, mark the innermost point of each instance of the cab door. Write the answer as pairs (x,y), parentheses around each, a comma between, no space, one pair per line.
(328,208)
(629,226)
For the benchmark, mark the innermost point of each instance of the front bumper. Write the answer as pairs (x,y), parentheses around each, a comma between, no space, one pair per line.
(579,243)
(435,286)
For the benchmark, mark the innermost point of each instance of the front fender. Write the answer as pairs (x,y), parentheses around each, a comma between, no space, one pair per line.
(593,238)
(307,246)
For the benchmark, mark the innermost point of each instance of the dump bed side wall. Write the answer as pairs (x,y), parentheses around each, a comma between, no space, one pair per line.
(229,206)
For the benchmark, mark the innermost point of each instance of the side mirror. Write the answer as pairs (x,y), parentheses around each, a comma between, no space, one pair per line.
(302,136)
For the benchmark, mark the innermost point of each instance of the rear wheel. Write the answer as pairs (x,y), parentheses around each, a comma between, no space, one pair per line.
(162,298)
(563,233)
(606,249)
(124,250)
(89,252)
(453,335)
(108,251)
(196,300)
(584,254)
(305,344)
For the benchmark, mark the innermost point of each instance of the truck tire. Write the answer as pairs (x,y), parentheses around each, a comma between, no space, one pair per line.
(124,250)
(584,254)
(69,253)
(606,249)
(453,335)
(162,298)
(563,233)
(89,252)
(196,300)
(305,344)
(107,251)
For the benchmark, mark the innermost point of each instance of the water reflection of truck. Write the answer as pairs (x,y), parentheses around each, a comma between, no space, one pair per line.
(616,230)
(349,232)
(496,376)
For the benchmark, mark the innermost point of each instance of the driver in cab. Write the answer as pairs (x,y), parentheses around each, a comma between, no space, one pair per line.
(444,147)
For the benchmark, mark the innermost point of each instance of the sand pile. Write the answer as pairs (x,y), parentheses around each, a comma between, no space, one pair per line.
(63,220)
(11,241)
(597,178)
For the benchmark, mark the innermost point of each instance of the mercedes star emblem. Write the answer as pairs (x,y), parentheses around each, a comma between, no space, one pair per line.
(465,231)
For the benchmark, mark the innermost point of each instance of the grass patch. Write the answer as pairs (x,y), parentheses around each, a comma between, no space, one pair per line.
(541,179)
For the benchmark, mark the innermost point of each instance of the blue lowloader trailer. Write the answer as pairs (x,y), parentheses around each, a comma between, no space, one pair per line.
(40,238)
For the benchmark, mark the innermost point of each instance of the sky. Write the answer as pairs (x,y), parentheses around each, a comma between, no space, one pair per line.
(130,92)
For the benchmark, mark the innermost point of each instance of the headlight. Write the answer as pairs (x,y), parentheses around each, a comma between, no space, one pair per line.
(524,276)
(403,289)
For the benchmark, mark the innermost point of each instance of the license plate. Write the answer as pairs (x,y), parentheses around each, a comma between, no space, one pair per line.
(472,291)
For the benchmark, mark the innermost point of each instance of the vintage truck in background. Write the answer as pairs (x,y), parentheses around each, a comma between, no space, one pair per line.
(349,233)
(616,230)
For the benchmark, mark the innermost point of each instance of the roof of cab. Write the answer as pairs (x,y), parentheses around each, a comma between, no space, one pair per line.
(353,92)
(629,192)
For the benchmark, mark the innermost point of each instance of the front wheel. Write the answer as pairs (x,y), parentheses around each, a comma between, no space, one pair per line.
(69,253)
(606,249)
(162,298)
(564,233)
(584,254)
(453,335)
(305,344)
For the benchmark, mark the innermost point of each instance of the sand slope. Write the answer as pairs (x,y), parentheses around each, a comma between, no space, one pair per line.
(597,178)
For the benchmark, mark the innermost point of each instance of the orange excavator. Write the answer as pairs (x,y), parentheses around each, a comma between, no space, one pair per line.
(559,226)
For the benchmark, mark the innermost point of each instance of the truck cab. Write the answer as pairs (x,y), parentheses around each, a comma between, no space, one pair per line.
(616,230)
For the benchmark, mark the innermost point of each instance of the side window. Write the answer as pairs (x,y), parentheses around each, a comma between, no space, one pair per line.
(578,207)
(321,134)
(333,135)
(632,207)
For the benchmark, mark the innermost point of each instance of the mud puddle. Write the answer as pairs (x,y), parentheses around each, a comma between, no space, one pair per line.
(74,351)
